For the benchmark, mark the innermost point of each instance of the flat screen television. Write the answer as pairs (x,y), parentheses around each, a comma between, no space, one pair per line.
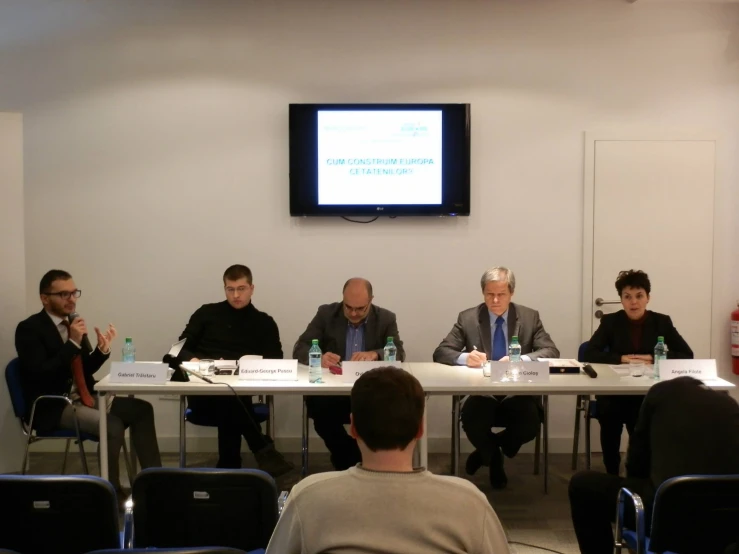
(379,159)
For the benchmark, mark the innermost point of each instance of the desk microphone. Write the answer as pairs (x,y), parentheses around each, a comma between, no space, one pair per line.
(85,342)
(589,371)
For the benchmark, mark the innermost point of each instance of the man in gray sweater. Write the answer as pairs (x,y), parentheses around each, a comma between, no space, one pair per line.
(384,504)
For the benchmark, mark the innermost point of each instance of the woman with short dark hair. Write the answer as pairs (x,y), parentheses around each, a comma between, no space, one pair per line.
(627,335)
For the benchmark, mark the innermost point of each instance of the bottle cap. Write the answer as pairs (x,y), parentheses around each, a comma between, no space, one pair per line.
(660,339)
(390,339)
(129,339)
(314,341)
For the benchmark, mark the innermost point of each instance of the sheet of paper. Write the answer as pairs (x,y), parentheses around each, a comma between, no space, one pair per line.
(621,369)
(561,362)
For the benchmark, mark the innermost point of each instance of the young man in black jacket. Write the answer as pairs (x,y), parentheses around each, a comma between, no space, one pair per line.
(229,330)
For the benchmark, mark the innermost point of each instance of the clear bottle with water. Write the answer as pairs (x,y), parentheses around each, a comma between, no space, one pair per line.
(390,351)
(129,350)
(660,353)
(315,374)
(514,350)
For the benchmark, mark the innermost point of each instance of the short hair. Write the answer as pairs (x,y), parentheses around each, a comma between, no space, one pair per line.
(49,277)
(367,284)
(236,272)
(497,274)
(633,278)
(387,408)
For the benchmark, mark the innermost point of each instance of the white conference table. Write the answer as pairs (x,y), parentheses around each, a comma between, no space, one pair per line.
(436,379)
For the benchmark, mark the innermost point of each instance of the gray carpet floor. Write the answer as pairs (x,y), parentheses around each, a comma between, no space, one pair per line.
(528,515)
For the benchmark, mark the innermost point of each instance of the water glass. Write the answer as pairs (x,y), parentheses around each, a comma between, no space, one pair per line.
(636,368)
(486,369)
(207,367)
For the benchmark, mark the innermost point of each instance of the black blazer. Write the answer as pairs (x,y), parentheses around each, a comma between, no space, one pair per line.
(46,366)
(329,327)
(612,339)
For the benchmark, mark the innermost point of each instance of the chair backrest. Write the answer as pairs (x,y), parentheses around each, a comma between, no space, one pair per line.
(196,550)
(696,514)
(581,351)
(71,514)
(175,507)
(15,388)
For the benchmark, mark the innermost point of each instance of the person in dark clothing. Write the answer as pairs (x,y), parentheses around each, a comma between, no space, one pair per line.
(229,330)
(355,330)
(622,337)
(663,445)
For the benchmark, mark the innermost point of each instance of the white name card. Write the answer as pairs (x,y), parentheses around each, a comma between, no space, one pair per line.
(700,369)
(268,370)
(351,371)
(140,373)
(519,372)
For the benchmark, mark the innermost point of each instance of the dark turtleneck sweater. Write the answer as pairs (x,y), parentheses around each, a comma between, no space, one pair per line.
(220,331)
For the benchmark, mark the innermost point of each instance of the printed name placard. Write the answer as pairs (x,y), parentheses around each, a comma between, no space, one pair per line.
(700,369)
(519,372)
(268,370)
(140,373)
(351,371)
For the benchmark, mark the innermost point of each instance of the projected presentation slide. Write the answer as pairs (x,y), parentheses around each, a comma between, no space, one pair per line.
(379,157)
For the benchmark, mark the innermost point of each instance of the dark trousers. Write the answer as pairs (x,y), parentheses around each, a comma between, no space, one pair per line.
(520,415)
(329,414)
(613,413)
(236,419)
(593,498)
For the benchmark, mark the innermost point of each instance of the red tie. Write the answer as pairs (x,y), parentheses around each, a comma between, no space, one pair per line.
(78,375)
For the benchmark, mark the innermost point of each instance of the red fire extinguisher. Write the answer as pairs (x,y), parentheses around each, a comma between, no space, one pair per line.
(735,339)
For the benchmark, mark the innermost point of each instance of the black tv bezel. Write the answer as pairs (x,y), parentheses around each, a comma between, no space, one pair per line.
(303,160)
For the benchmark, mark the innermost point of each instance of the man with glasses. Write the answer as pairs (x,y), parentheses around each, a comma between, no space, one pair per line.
(355,330)
(228,330)
(54,361)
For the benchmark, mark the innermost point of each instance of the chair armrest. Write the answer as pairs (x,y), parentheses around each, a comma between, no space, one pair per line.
(626,496)
(46,397)
(281,502)
(128,525)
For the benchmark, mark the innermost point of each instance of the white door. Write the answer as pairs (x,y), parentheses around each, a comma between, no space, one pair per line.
(649,206)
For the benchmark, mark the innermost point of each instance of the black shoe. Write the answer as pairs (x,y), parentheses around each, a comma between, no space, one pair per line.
(271,461)
(474,462)
(498,479)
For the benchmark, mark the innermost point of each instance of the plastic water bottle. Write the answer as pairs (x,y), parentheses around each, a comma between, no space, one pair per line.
(514,350)
(660,353)
(315,375)
(391,351)
(129,351)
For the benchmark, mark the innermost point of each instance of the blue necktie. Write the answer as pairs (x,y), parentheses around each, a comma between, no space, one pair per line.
(500,348)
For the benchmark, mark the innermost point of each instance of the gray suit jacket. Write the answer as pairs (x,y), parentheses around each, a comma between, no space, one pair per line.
(473,329)
(329,327)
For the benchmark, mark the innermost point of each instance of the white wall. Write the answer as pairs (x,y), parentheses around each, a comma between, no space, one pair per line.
(12,277)
(156,152)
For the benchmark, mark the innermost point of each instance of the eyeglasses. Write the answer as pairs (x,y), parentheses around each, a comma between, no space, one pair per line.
(65,294)
(240,290)
(353,310)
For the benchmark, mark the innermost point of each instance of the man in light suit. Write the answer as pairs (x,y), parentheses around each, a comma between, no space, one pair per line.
(483,333)
(356,330)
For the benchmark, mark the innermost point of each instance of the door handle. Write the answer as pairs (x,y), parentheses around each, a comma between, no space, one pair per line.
(601,302)
(598,314)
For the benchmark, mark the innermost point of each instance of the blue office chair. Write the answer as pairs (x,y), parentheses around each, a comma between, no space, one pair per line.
(70,514)
(185,507)
(208,419)
(692,514)
(18,399)
(587,406)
